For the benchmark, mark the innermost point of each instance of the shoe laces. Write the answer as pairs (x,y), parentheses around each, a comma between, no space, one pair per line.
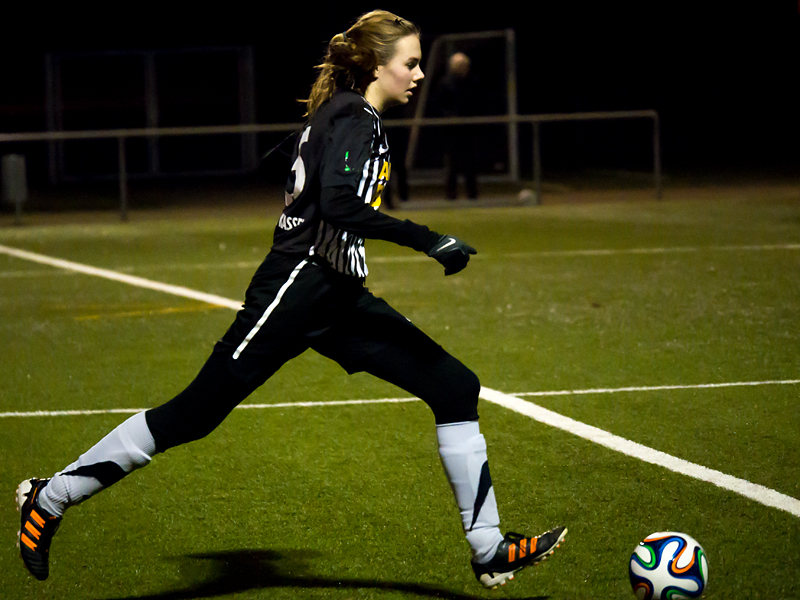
(513,536)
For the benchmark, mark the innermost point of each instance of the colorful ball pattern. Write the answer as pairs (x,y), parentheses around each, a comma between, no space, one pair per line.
(668,566)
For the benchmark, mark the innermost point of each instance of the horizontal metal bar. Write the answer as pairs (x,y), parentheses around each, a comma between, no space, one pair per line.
(470,36)
(284,127)
(146,132)
(504,119)
(142,52)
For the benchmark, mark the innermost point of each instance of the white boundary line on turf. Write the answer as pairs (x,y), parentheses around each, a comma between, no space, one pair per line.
(656,388)
(384,259)
(661,250)
(753,491)
(133,411)
(603,252)
(141,282)
(759,493)
(653,388)
(330,403)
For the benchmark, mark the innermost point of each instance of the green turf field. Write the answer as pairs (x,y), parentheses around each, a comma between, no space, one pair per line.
(350,501)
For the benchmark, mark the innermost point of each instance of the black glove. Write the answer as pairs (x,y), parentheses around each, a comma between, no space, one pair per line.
(452,253)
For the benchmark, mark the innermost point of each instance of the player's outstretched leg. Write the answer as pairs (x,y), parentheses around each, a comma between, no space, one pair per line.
(462,449)
(495,558)
(37,528)
(42,502)
(128,447)
(189,416)
(516,552)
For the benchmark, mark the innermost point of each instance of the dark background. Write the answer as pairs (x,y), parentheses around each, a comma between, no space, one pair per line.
(723,76)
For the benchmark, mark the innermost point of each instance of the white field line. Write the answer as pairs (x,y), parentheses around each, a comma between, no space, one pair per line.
(664,250)
(761,494)
(218,266)
(133,411)
(484,391)
(175,290)
(411,258)
(656,388)
(602,252)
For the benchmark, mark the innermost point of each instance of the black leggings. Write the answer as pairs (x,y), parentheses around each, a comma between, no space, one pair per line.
(339,319)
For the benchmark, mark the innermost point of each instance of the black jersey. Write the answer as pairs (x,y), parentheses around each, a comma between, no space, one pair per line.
(340,166)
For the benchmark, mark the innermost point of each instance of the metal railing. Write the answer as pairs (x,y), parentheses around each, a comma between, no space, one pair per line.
(537,120)
(122,135)
(435,55)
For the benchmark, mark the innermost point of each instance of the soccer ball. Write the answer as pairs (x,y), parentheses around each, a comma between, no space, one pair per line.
(667,566)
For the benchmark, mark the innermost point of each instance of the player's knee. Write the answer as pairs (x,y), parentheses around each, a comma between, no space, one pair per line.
(172,427)
(461,400)
(198,409)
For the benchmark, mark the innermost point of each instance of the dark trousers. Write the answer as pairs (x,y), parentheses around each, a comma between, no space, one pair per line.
(293,305)
(460,160)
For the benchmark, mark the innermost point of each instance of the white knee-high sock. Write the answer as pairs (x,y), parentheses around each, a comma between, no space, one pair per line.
(128,447)
(462,449)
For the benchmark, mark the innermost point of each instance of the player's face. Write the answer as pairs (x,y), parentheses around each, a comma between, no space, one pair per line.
(396,80)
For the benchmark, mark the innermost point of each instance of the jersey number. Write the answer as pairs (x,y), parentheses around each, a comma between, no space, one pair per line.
(298,172)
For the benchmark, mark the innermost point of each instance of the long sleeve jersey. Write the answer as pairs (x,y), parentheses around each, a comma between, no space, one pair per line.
(340,167)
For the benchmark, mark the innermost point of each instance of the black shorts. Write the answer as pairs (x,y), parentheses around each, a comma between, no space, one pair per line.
(292,305)
(295,304)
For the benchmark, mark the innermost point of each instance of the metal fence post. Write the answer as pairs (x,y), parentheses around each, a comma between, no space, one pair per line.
(15,183)
(657,155)
(123,179)
(511,107)
(537,163)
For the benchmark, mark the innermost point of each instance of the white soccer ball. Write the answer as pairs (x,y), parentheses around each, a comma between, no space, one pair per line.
(527,196)
(667,566)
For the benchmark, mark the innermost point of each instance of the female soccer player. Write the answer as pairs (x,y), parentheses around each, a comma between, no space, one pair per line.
(309,293)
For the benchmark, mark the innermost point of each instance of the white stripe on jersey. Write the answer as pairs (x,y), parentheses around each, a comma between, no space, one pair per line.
(362,259)
(371,171)
(356,257)
(269,310)
(342,250)
(324,238)
(376,164)
(364,179)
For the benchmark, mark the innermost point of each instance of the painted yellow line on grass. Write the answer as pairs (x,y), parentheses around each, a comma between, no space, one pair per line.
(144,312)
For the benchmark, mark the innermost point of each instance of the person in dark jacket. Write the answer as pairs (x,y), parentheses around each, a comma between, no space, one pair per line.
(457,95)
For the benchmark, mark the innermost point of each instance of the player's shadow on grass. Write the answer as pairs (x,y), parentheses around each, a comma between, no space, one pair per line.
(242,570)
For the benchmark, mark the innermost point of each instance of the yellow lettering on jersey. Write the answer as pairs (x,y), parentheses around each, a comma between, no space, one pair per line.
(383,179)
(385,171)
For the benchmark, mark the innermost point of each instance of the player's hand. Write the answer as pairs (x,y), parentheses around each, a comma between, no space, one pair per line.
(452,253)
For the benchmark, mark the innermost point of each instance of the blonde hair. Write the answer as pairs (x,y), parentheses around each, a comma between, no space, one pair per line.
(353,55)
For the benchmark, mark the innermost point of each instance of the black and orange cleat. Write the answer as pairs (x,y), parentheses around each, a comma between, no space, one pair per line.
(37,528)
(517,552)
